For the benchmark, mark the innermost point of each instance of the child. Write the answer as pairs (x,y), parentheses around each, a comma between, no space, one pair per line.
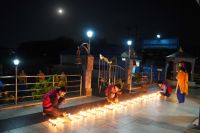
(112,92)
(165,89)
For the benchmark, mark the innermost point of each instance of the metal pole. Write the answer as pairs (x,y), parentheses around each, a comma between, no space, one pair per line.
(129,52)
(100,77)
(151,73)
(53,81)
(114,74)
(131,81)
(199,116)
(109,76)
(80,85)
(16,84)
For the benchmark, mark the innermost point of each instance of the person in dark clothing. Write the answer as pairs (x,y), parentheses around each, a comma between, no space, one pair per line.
(52,100)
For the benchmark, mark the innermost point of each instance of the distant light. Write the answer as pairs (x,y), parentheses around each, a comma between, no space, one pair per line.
(129,42)
(60,11)
(158,36)
(89,33)
(198,1)
(16,62)
(123,59)
(137,63)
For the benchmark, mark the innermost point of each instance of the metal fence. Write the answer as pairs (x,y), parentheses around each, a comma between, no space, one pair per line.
(32,88)
(108,73)
(117,73)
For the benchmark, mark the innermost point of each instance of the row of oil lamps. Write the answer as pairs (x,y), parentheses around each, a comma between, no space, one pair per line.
(99,110)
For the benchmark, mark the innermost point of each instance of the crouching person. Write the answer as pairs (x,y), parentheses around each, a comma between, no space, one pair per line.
(165,89)
(112,92)
(52,100)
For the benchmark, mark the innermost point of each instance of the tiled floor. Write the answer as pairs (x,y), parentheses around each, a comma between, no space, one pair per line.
(153,116)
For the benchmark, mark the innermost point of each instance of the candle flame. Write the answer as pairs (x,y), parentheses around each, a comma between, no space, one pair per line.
(98,111)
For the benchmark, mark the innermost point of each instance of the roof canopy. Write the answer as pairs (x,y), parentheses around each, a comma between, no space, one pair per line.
(180,54)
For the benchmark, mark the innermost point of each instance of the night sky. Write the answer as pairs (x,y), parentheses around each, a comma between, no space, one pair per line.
(114,20)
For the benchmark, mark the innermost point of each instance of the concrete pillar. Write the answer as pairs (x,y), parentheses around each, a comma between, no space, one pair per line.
(88,62)
(166,70)
(128,74)
(174,70)
(151,74)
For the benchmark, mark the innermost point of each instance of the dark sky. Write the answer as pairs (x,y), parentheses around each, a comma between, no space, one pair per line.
(114,20)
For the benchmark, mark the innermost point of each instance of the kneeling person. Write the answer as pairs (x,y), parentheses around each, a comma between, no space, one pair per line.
(52,100)
(165,90)
(112,92)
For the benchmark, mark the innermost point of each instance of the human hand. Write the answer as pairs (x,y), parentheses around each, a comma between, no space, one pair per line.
(119,93)
(65,114)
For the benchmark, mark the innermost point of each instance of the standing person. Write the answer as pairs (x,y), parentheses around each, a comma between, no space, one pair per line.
(112,92)
(41,76)
(63,79)
(182,85)
(22,84)
(1,89)
(52,100)
(1,85)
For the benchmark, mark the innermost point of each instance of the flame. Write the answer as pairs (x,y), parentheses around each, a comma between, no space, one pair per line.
(98,111)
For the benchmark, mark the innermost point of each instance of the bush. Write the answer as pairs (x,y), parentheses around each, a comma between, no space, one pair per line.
(42,88)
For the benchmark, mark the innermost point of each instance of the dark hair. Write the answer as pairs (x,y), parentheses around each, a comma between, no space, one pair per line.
(63,88)
(182,69)
(118,85)
(160,82)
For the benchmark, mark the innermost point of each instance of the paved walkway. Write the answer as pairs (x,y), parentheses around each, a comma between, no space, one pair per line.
(153,116)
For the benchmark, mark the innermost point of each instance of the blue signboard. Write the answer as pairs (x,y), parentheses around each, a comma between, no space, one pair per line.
(161,43)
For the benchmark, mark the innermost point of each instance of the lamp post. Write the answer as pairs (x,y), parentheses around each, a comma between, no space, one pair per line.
(16,63)
(89,35)
(129,67)
(129,42)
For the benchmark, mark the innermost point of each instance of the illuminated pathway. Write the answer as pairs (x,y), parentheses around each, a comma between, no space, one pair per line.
(140,115)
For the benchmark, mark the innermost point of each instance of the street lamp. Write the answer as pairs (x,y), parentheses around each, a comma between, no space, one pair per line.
(16,63)
(158,36)
(129,42)
(89,35)
(60,11)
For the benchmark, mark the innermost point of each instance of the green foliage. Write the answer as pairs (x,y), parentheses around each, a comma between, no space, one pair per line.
(120,82)
(104,84)
(45,85)
(137,78)
(42,88)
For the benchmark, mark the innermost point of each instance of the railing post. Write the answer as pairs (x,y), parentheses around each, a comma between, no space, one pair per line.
(199,116)
(151,74)
(115,73)
(80,85)
(109,74)
(53,81)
